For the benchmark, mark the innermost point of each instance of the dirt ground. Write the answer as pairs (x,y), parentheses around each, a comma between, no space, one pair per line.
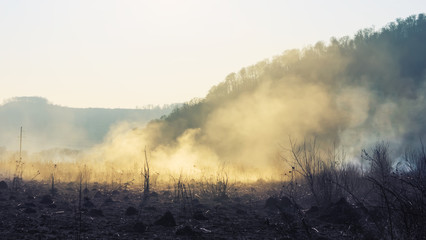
(254,212)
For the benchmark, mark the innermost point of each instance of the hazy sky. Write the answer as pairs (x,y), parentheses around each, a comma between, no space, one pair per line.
(123,54)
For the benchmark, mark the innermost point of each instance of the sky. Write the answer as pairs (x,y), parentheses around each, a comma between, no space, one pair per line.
(129,54)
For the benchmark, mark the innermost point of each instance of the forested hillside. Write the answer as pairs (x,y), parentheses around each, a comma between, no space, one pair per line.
(352,91)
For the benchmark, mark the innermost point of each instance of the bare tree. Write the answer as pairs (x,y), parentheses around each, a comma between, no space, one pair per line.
(319,171)
(305,160)
(145,174)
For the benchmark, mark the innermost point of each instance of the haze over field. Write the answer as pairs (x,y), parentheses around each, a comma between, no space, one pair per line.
(348,93)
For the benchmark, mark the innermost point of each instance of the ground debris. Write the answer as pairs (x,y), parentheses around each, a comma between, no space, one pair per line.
(167,220)
(3,185)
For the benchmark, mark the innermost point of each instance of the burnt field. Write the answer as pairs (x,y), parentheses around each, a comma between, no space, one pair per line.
(255,211)
(319,197)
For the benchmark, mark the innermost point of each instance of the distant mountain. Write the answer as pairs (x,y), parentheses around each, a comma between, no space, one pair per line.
(46,125)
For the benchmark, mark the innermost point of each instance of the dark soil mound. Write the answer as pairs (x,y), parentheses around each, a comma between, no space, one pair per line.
(286,202)
(151,208)
(3,185)
(340,212)
(186,231)
(139,227)
(87,203)
(241,212)
(167,220)
(130,211)
(198,215)
(195,201)
(221,198)
(282,204)
(46,199)
(30,210)
(167,193)
(313,210)
(271,202)
(30,204)
(96,213)
(98,194)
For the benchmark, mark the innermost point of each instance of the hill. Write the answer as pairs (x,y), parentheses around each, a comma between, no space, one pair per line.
(47,125)
(353,91)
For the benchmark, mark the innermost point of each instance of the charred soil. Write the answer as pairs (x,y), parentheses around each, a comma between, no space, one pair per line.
(250,212)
